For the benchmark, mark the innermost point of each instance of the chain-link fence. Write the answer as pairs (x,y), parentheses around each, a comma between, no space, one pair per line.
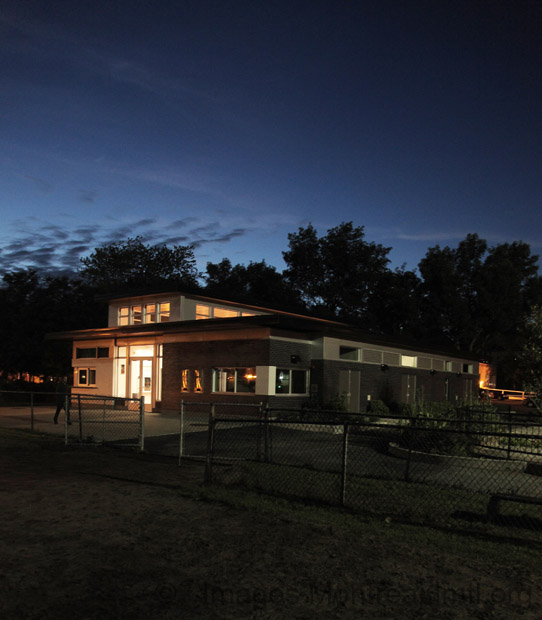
(31,410)
(105,420)
(434,470)
(195,419)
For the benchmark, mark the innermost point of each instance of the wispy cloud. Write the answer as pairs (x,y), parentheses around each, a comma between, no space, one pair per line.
(58,248)
(31,36)
(40,185)
(87,196)
(186,178)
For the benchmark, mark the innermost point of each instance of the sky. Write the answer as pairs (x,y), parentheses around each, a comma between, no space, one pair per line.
(228,124)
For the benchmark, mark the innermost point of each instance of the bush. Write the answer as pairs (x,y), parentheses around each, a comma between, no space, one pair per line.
(378,408)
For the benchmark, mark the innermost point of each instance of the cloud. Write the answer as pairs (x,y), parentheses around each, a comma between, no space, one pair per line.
(41,185)
(57,232)
(224,238)
(57,248)
(87,196)
(188,179)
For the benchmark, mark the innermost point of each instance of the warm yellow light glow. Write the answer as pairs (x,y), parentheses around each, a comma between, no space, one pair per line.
(197,376)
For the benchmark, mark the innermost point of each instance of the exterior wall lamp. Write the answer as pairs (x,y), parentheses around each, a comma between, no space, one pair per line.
(433,372)
(295,359)
(384,367)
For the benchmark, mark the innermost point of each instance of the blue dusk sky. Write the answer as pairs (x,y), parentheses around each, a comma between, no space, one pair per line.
(228,124)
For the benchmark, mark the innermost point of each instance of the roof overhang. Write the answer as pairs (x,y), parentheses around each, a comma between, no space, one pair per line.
(296,326)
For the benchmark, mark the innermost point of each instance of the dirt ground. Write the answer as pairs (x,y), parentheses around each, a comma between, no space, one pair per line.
(109,534)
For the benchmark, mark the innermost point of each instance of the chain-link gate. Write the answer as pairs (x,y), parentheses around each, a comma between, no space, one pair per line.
(105,420)
(195,419)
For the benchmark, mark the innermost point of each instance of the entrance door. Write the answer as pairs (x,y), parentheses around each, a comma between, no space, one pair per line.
(349,389)
(408,389)
(141,381)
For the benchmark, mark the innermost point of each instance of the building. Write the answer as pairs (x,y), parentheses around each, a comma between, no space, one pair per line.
(170,347)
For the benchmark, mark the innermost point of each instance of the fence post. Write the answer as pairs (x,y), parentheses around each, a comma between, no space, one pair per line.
(32,411)
(181,431)
(260,456)
(509,433)
(344,464)
(103,420)
(409,455)
(80,417)
(142,423)
(66,418)
(210,446)
(266,437)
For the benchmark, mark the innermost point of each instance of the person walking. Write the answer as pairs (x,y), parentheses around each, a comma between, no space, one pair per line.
(62,391)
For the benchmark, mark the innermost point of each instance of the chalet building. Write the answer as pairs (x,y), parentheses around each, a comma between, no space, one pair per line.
(171,347)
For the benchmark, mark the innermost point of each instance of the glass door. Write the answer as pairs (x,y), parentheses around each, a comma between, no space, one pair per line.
(141,381)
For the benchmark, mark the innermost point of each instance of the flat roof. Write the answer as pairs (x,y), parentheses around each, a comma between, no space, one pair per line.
(310,327)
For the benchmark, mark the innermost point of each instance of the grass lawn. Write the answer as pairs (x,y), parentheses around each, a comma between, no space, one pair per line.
(102,533)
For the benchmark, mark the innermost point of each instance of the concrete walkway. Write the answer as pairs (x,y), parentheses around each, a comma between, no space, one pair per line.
(41,420)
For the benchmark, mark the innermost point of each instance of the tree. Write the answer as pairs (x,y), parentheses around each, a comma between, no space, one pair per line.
(257,283)
(32,305)
(531,357)
(477,296)
(132,265)
(450,293)
(395,304)
(510,287)
(336,275)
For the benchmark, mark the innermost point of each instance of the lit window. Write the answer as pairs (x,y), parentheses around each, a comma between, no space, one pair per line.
(198,387)
(409,360)
(142,350)
(234,380)
(164,311)
(203,312)
(468,368)
(291,381)
(137,315)
(185,376)
(124,315)
(224,313)
(85,377)
(150,313)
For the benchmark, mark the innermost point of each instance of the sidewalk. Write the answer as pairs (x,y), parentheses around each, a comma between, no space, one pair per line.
(155,424)
(161,430)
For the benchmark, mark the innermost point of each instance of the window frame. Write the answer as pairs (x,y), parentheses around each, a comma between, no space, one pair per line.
(348,353)
(140,314)
(238,373)
(291,381)
(82,353)
(90,377)
(161,311)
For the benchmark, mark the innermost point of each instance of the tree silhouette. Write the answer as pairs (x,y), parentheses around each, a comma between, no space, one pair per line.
(131,264)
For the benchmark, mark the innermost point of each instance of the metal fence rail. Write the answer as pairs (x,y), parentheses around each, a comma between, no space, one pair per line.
(32,409)
(440,471)
(106,420)
(195,418)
